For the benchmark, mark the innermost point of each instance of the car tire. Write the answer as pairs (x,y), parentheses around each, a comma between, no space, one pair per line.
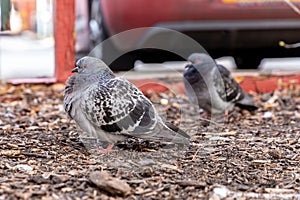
(98,32)
(247,61)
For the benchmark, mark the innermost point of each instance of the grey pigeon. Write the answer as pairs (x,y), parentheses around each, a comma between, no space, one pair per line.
(212,88)
(111,108)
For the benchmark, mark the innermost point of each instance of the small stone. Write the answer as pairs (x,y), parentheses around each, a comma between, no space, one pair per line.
(24,167)
(268,115)
(110,184)
(164,102)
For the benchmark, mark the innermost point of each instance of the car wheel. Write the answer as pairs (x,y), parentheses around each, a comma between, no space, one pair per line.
(247,61)
(98,31)
(124,62)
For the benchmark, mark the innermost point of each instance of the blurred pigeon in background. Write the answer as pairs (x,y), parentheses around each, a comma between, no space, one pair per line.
(212,88)
(112,109)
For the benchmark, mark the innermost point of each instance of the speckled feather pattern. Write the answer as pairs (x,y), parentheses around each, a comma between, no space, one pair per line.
(212,86)
(118,106)
(111,108)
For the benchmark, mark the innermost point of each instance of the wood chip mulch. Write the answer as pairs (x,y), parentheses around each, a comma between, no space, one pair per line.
(244,156)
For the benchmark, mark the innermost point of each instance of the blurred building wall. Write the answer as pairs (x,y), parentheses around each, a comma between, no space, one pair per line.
(27,10)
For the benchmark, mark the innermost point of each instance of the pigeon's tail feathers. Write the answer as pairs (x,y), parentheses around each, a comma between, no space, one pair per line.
(177,130)
(170,133)
(166,134)
(247,103)
(247,107)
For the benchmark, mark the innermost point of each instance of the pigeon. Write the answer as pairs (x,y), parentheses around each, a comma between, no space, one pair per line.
(211,86)
(111,108)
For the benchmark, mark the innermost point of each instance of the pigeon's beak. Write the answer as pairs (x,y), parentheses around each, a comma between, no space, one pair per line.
(188,65)
(75,70)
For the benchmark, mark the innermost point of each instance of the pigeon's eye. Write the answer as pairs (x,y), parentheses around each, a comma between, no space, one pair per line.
(192,70)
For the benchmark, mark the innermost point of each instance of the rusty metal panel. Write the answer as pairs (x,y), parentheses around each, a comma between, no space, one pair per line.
(64,38)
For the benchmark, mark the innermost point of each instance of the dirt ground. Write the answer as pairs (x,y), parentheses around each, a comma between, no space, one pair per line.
(245,156)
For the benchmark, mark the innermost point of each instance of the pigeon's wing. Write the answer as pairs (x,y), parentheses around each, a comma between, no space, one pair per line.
(118,106)
(228,89)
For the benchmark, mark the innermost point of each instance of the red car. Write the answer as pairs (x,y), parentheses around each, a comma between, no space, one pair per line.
(248,30)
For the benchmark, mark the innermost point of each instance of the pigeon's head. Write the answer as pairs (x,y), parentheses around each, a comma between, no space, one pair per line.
(198,66)
(88,65)
(201,62)
(191,74)
(197,58)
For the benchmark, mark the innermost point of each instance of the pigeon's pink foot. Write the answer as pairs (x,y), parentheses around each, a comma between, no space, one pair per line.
(226,113)
(205,115)
(108,149)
